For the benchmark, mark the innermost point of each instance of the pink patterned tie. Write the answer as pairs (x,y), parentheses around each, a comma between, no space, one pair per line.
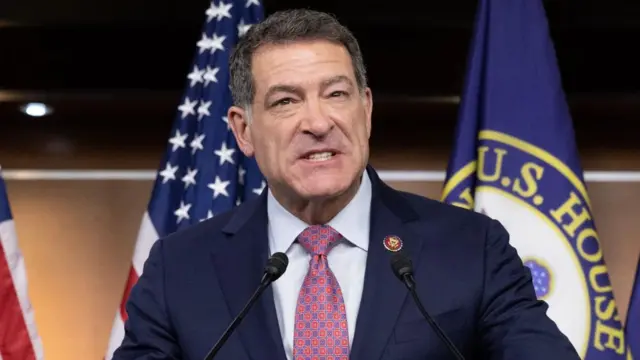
(321,331)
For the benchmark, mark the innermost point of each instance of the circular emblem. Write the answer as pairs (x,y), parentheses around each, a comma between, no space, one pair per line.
(543,204)
(392,243)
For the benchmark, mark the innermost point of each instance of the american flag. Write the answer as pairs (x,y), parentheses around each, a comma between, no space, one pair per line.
(203,172)
(19,339)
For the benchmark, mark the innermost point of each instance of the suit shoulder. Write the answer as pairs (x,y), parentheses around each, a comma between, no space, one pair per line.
(199,235)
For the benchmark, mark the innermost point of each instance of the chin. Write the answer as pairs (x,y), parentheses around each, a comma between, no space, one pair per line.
(321,187)
(318,194)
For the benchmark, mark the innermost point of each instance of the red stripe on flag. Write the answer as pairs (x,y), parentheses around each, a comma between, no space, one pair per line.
(15,343)
(133,278)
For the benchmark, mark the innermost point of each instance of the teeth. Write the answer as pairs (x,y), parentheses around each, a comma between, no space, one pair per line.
(320,156)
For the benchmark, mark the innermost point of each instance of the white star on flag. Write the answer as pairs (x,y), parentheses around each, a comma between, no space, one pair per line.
(178,140)
(204,43)
(225,154)
(196,143)
(187,108)
(259,190)
(210,75)
(203,109)
(168,173)
(218,12)
(216,43)
(209,216)
(243,28)
(219,187)
(195,76)
(183,212)
(190,177)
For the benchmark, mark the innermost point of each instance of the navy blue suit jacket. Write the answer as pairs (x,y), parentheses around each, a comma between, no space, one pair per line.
(469,278)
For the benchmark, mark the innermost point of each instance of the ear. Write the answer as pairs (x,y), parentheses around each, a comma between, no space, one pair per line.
(368,108)
(239,123)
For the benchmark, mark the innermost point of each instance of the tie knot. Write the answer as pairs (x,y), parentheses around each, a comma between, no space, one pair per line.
(318,239)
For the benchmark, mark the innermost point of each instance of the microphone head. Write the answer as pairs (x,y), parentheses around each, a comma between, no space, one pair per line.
(276,265)
(401,265)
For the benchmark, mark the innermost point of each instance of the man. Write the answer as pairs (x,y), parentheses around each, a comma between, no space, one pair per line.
(303,109)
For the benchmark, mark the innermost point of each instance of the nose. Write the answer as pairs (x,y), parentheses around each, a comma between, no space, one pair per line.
(316,120)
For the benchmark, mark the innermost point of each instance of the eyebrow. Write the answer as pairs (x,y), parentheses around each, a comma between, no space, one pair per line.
(337,79)
(292,89)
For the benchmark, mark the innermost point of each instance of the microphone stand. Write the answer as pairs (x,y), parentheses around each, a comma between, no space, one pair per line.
(237,320)
(411,285)
(276,266)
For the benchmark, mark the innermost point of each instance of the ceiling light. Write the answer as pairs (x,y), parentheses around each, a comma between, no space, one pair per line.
(36,109)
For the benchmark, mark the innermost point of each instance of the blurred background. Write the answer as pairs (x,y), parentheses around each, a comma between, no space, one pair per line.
(113,73)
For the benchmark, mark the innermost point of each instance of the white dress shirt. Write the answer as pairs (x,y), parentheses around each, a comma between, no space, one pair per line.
(347,259)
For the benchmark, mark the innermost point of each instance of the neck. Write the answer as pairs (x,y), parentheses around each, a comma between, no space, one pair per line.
(318,211)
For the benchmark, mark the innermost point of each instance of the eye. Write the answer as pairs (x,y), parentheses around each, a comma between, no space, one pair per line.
(338,93)
(283,101)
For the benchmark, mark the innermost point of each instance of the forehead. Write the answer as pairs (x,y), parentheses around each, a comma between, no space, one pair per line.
(300,63)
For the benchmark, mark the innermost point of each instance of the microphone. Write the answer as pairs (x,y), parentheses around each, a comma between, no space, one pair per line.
(276,266)
(403,269)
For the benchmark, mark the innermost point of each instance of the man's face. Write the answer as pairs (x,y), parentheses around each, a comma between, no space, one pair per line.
(310,125)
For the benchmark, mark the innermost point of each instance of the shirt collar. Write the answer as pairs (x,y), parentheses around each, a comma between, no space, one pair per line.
(352,221)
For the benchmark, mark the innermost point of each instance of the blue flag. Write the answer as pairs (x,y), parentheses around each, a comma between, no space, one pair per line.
(515,159)
(203,172)
(632,325)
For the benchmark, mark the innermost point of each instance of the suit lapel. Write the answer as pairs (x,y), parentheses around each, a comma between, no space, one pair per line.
(383,294)
(240,263)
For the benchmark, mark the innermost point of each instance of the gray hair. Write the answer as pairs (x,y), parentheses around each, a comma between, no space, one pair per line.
(284,27)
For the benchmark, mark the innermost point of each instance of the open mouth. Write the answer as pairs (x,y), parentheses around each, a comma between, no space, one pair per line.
(319,156)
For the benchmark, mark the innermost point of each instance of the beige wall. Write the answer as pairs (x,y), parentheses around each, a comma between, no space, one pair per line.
(77,238)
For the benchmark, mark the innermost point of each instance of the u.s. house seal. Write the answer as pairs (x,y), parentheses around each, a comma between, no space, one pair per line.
(544,206)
